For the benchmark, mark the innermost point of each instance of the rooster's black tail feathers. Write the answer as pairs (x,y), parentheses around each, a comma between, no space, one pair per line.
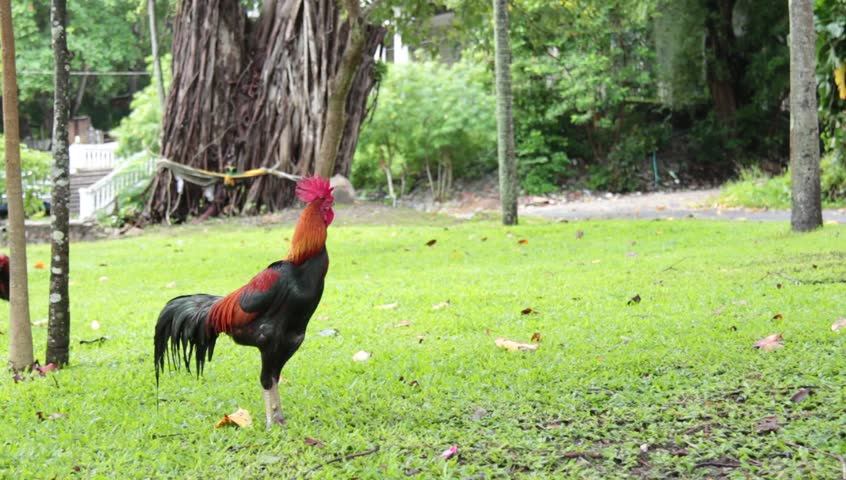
(182,329)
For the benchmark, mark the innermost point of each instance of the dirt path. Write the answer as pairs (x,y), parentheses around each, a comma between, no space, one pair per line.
(662,205)
(700,204)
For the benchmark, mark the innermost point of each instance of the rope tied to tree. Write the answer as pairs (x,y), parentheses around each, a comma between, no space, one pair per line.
(206,178)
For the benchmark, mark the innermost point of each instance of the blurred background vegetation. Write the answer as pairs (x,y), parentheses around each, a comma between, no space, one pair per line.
(613,95)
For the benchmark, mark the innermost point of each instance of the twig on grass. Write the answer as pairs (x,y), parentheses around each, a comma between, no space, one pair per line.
(167,435)
(718,464)
(673,266)
(583,455)
(342,458)
(96,340)
(836,456)
(797,282)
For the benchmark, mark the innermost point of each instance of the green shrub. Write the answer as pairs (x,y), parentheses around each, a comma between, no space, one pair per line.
(35,171)
(540,169)
(141,129)
(432,123)
(833,178)
(755,189)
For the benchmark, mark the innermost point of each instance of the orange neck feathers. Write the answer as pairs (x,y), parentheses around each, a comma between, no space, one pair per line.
(309,235)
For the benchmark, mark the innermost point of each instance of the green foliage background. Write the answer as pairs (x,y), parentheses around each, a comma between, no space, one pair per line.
(431,115)
(35,172)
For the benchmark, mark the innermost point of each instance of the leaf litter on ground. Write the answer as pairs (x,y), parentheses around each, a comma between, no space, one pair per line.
(239,418)
(514,346)
(770,342)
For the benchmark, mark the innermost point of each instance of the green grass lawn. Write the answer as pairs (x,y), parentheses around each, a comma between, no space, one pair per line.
(668,386)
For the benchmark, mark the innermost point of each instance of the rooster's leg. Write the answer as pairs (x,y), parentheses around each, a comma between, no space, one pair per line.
(273,406)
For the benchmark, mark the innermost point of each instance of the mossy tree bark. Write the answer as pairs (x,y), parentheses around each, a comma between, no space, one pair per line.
(58,328)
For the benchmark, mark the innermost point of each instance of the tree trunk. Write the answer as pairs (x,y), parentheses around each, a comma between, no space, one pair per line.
(58,328)
(80,93)
(261,95)
(504,116)
(721,64)
(20,331)
(339,88)
(154,47)
(806,213)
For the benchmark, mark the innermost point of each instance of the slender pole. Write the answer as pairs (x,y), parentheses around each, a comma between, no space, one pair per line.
(20,330)
(58,327)
(504,116)
(154,45)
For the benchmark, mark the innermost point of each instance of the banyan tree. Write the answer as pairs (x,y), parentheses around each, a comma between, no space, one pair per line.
(256,97)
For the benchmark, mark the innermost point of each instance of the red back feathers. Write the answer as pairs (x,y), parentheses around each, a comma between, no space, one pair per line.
(310,189)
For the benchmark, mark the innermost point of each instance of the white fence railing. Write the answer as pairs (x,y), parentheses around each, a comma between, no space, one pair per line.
(103,194)
(92,156)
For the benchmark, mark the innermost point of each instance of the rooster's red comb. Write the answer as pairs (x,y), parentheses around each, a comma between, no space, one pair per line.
(310,189)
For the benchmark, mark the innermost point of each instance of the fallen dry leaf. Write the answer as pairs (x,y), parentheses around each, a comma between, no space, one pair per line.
(529,310)
(361,356)
(771,342)
(39,265)
(800,395)
(513,346)
(633,300)
(449,452)
(536,337)
(580,234)
(241,418)
(440,305)
(312,442)
(387,306)
(404,323)
(840,323)
(523,241)
(431,242)
(53,416)
(778,316)
(768,425)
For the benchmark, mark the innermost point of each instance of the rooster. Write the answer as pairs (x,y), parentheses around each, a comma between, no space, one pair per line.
(270,312)
(4,276)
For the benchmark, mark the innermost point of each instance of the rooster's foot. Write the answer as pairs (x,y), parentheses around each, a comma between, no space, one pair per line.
(277,420)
